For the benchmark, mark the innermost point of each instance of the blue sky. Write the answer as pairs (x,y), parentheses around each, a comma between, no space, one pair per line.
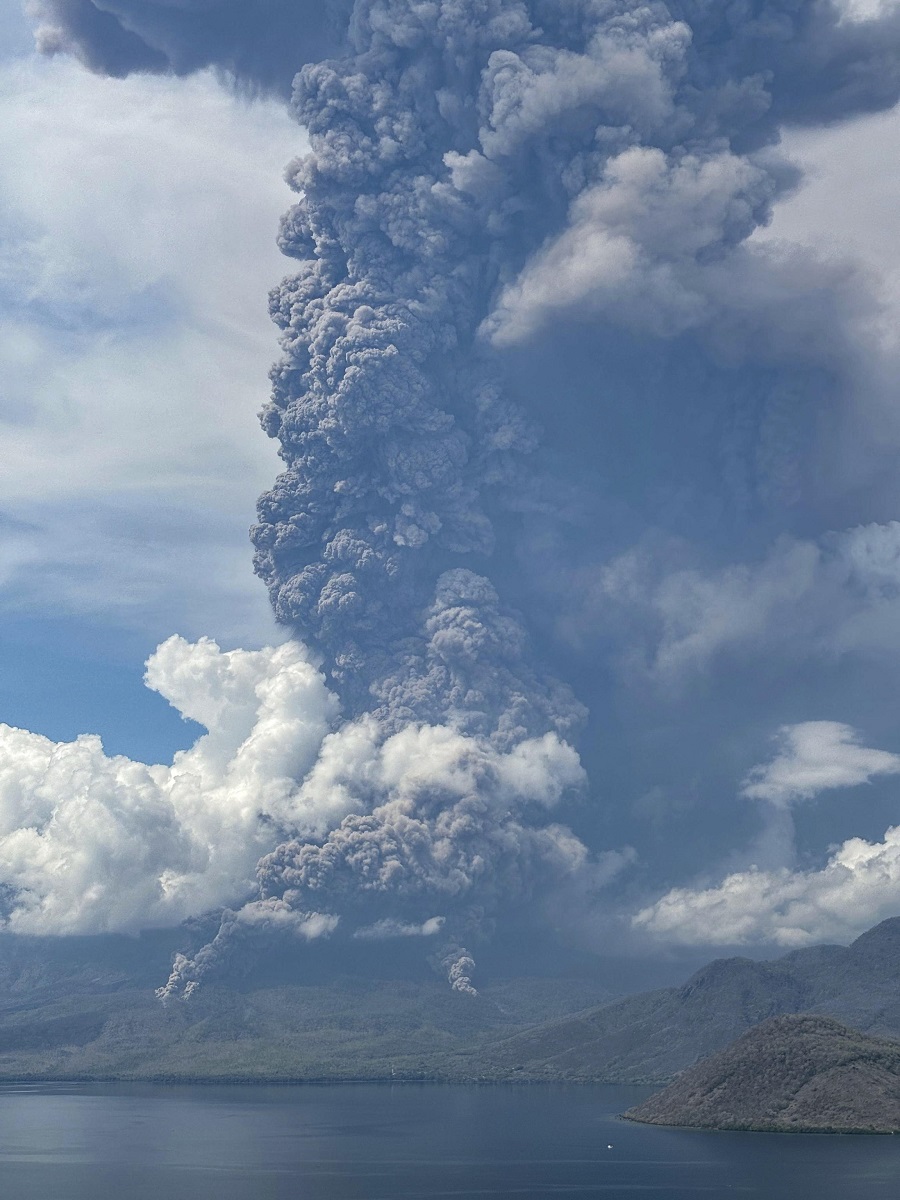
(712,563)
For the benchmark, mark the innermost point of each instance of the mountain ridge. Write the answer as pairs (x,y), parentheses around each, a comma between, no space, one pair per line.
(67,1012)
(652,1036)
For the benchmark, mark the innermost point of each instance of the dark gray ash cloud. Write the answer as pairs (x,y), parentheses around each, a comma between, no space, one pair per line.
(259,43)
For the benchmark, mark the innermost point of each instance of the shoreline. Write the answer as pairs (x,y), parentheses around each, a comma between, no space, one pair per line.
(314,1081)
(811,1131)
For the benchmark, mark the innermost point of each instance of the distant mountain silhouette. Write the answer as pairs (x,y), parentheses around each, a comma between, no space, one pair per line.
(85,1008)
(652,1036)
(790,1074)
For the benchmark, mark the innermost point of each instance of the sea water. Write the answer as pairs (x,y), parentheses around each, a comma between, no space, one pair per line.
(402,1141)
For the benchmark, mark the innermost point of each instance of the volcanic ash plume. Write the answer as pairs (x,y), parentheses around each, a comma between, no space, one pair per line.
(475,166)
(477,169)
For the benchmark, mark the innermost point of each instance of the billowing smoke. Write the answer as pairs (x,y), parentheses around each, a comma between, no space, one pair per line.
(473,167)
(477,168)
(447,829)
(460,966)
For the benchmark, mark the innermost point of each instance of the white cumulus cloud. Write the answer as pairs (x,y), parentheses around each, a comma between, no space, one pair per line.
(90,842)
(858,885)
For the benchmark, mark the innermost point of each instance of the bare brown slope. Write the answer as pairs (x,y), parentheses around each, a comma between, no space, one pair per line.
(790,1074)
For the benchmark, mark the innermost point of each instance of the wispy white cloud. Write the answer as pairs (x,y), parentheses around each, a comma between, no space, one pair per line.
(391,928)
(834,596)
(813,757)
(136,251)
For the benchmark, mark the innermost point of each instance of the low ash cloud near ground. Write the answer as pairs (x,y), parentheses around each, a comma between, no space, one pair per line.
(588,493)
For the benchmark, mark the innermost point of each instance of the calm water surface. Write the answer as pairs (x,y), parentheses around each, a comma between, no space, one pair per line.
(362,1142)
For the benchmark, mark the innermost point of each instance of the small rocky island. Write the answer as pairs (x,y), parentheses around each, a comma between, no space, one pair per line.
(798,1074)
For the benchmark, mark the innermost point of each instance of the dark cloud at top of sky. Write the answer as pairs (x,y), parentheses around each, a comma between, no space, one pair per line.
(259,43)
(811,62)
(799,60)
(517,215)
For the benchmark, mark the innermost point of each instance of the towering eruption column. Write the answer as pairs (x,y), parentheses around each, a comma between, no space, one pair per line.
(398,445)
(476,166)
(396,440)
